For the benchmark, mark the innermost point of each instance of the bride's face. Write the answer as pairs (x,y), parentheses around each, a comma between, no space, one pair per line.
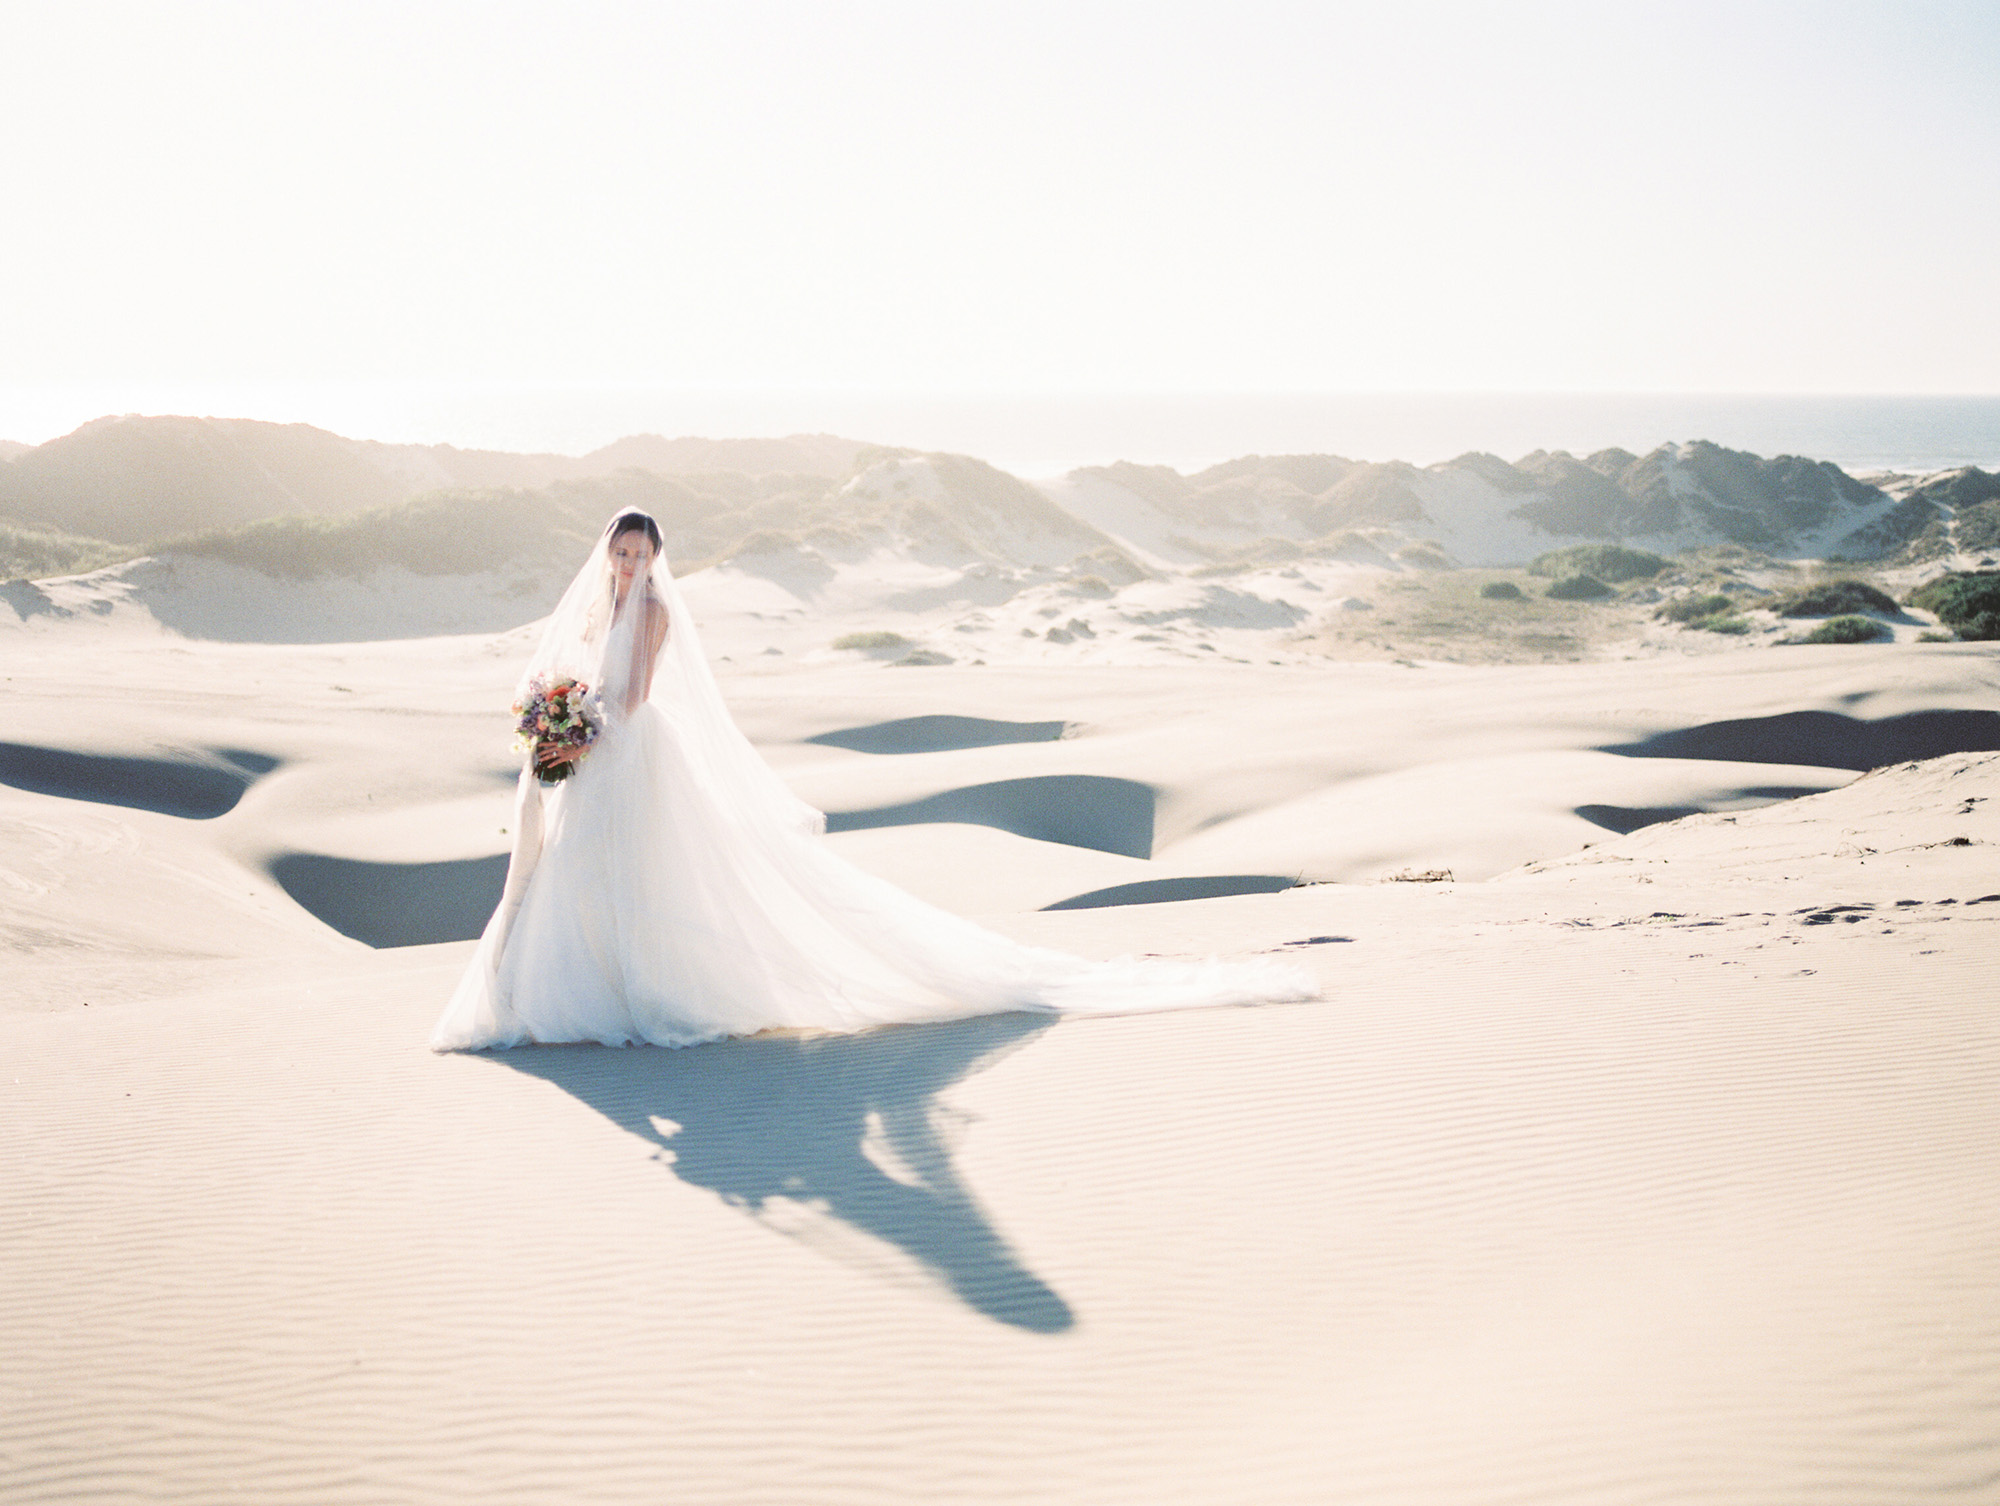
(631,555)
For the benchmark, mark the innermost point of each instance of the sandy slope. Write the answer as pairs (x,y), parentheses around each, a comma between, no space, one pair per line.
(1657,1169)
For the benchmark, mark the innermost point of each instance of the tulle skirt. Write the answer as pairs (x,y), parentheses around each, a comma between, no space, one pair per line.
(654,913)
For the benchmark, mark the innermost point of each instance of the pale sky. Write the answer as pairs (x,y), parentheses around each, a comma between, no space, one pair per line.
(994,198)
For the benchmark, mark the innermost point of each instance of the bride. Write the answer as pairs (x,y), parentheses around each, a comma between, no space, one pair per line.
(673,890)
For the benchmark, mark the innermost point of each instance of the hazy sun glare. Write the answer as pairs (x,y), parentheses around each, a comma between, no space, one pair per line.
(945,197)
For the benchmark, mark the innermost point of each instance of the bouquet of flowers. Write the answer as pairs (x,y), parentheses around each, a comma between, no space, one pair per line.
(556,715)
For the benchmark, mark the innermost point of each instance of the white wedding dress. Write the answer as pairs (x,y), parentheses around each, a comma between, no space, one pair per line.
(674,891)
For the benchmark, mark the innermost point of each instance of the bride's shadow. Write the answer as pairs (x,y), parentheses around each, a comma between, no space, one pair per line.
(841,1126)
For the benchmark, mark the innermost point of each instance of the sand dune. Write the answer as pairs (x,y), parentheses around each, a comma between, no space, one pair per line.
(1648,1158)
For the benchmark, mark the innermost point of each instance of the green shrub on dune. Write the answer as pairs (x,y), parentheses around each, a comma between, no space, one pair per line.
(879,639)
(1578,588)
(1845,630)
(1707,612)
(1612,562)
(1691,609)
(1501,590)
(1966,601)
(1833,598)
(1978,526)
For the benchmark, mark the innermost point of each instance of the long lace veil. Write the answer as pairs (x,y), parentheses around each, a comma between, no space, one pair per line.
(684,688)
(735,918)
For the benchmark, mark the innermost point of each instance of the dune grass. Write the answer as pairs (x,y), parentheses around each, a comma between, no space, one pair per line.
(1693,608)
(30,553)
(1449,615)
(879,638)
(440,533)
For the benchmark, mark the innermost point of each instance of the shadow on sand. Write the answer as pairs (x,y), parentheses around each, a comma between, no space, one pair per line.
(195,784)
(795,1130)
(939,734)
(1169,890)
(1079,810)
(1825,739)
(394,904)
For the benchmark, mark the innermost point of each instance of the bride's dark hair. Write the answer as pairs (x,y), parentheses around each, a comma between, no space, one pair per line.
(634,521)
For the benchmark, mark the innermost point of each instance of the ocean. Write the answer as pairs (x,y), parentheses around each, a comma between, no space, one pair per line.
(1045,434)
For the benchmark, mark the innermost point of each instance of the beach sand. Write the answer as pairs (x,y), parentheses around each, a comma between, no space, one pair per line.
(1641,1160)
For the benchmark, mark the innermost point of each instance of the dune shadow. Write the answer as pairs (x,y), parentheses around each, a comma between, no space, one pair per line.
(1078,810)
(199,785)
(394,904)
(1825,739)
(1168,890)
(30,600)
(797,1131)
(1625,819)
(938,734)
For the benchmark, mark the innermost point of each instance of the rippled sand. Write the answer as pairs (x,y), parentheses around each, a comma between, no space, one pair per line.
(1620,1167)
